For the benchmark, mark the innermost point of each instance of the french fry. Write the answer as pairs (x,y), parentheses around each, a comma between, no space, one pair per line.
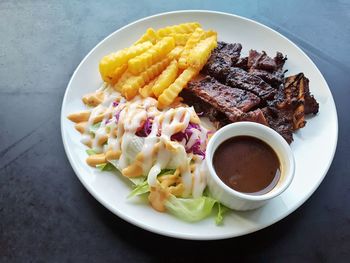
(180,38)
(176,52)
(184,28)
(117,73)
(146,91)
(134,83)
(195,38)
(150,35)
(111,62)
(167,77)
(201,52)
(118,86)
(170,94)
(154,54)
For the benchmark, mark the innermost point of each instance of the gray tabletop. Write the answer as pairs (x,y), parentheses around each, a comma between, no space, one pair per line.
(46,215)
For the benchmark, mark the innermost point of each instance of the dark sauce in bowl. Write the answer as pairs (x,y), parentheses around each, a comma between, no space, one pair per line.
(247,164)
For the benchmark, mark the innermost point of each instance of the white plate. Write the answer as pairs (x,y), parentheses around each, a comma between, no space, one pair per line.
(313,146)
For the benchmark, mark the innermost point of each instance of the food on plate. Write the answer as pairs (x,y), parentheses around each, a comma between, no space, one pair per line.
(284,101)
(258,170)
(150,35)
(184,28)
(170,94)
(113,65)
(162,99)
(200,53)
(164,80)
(198,35)
(221,103)
(129,88)
(132,70)
(154,54)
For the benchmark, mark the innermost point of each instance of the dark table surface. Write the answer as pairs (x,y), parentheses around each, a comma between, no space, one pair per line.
(45,212)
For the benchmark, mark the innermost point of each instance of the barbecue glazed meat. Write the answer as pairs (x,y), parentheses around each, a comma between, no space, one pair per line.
(251,88)
(267,68)
(281,121)
(293,97)
(215,93)
(222,65)
(238,78)
(242,63)
(222,58)
(227,53)
(261,60)
(223,103)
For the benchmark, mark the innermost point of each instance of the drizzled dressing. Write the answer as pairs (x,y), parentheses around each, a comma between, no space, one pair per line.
(149,155)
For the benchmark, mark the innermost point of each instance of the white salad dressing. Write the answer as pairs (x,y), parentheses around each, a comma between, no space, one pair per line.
(143,134)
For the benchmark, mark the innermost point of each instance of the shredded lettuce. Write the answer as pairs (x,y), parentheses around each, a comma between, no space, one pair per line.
(140,189)
(141,183)
(90,152)
(93,128)
(137,180)
(105,167)
(166,171)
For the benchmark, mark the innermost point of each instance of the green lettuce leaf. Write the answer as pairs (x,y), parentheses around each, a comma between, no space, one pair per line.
(140,189)
(137,180)
(220,215)
(90,152)
(105,167)
(166,171)
(195,209)
(93,128)
(190,209)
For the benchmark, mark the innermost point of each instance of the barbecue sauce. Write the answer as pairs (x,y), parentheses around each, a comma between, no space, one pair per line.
(247,164)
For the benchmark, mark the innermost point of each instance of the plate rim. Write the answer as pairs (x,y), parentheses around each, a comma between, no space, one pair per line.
(173,234)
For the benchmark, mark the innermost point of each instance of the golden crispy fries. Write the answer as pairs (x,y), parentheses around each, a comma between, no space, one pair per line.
(151,66)
(134,83)
(184,28)
(146,91)
(150,35)
(210,33)
(154,54)
(165,79)
(198,35)
(170,94)
(111,62)
(117,73)
(180,38)
(176,52)
(201,53)
(118,86)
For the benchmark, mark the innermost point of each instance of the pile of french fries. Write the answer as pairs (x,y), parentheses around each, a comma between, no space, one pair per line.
(160,63)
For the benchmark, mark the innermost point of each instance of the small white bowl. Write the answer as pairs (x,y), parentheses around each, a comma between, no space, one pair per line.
(242,201)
